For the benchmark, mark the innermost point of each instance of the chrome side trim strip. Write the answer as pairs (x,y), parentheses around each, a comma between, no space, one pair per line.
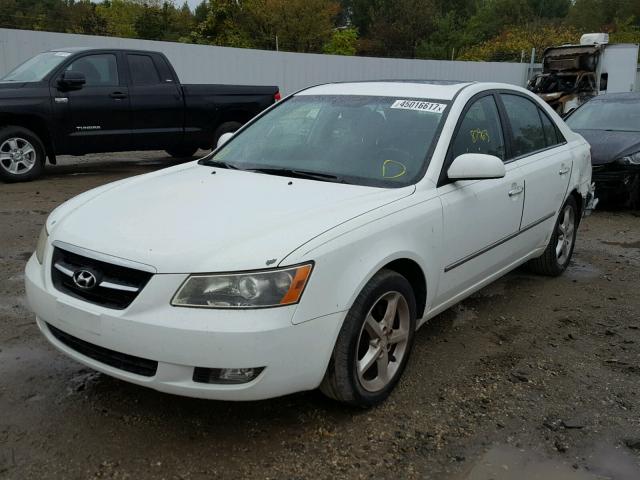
(117,286)
(63,269)
(103,257)
(464,260)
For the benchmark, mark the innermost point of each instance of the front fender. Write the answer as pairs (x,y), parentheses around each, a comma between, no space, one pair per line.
(347,257)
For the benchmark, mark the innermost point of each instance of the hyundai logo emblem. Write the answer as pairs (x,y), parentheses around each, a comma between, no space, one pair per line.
(84,279)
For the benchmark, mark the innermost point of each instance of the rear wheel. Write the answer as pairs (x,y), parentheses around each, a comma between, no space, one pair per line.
(374,342)
(557,255)
(225,127)
(22,154)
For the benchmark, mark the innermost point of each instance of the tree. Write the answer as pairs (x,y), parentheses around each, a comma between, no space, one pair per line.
(224,24)
(301,25)
(397,27)
(343,42)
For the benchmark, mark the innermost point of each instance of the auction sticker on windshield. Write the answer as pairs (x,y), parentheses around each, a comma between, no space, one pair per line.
(419,106)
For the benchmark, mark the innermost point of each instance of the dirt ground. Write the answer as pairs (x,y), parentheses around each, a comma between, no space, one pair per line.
(531,378)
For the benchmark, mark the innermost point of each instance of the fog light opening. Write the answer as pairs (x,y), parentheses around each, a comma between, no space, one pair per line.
(226,376)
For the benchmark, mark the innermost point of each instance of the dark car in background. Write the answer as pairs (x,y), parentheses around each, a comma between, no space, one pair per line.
(611,125)
(76,101)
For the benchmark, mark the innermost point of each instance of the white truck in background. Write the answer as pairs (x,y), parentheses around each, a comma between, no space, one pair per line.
(572,74)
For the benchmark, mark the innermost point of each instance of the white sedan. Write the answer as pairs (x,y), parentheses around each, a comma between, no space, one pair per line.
(308,248)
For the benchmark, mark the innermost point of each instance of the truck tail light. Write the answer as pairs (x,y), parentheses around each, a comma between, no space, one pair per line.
(277,96)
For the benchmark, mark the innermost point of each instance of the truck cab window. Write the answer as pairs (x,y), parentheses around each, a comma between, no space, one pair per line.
(142,69)
(99,70)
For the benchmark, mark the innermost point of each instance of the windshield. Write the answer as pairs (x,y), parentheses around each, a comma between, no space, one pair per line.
(36,68)
(365,140)
(617,115)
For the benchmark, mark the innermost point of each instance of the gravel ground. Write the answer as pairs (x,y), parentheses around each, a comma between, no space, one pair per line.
(531,378)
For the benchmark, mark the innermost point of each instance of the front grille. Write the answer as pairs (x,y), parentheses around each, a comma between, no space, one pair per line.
(122,361)
(113,286)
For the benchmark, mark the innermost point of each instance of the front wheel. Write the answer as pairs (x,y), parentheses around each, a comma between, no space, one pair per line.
(22,154)
(374,342)
(557,255)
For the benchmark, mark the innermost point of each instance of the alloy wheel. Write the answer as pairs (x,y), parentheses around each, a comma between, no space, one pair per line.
(383,341)
(566,230)
(17,155)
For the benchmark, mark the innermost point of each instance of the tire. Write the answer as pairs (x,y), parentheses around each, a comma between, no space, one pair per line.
(182,152)
(225,127)
(22,154)
(557,255)
(348,379)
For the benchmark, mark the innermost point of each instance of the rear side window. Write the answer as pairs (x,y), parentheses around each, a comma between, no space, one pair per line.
(99,70)
(480,130)
(143,70)
(526,125)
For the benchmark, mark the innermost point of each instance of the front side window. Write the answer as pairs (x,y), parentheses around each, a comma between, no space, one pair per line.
(99,70)
(366,140)
(526,126)
(480,130)
(36,68)
(143,71)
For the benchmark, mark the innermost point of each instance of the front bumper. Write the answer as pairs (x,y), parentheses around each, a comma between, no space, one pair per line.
(615,179)
(295,357)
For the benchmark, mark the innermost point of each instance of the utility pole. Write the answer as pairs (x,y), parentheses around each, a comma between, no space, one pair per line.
(277,50)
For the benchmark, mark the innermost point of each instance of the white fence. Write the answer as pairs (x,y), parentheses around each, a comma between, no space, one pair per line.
(290,71)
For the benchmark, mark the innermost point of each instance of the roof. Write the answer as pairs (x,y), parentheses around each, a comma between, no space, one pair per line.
(436,89)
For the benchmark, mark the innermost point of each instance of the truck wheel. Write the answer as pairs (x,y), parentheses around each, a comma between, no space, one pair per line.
(182,152)
(226,127)
(374,342)
(22,154)
(557,255)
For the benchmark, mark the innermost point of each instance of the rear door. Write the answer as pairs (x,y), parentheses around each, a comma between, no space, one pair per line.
(481,217)
(95,117)
(157,107)
(545,160)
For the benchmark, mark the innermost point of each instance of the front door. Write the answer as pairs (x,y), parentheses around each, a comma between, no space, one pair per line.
(95,117)
(481,217)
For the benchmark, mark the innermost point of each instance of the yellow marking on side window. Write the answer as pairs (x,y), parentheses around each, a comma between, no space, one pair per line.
(478,135)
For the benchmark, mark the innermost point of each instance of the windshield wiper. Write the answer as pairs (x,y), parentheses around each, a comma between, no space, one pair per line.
(221,164)
(288,172)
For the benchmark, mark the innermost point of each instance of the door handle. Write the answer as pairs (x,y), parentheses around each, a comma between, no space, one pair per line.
(563,170)
(516,190)
(118,95)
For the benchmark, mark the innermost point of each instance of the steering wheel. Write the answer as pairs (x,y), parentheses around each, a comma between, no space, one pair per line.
(391,167)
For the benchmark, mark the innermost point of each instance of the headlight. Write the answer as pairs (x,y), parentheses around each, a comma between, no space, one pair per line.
(42,243)
(633,159)
(259,289)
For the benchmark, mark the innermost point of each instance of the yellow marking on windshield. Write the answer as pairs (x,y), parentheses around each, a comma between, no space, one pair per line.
(388,163)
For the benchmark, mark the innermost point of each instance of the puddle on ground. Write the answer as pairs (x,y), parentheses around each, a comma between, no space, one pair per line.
(624,244)
(582,271)
(509,463)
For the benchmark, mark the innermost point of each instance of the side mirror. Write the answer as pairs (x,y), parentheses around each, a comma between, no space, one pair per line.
(476,166)
(72,80)
(224,138)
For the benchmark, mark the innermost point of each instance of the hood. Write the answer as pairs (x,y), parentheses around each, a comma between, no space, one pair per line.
(607,147)
(11,85)
(187,220)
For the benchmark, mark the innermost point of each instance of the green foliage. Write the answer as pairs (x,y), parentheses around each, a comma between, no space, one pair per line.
(342,42)
(490,30)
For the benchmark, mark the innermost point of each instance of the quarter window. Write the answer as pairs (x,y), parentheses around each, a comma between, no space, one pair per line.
(99,70)
(142,69)
(480,130)
(550,131)
(526,126)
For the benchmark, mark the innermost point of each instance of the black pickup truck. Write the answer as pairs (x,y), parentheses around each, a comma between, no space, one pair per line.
(77,100)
